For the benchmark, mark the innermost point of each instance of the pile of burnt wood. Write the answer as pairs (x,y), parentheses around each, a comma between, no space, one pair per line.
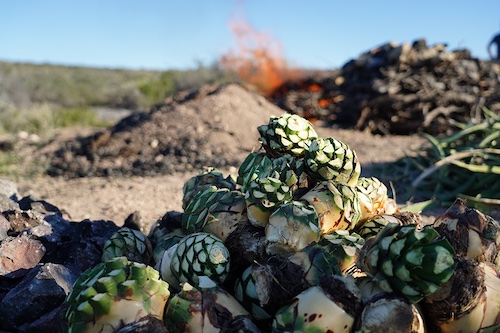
(398,89)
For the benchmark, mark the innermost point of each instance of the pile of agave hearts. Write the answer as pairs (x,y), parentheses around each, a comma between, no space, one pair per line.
(297,242)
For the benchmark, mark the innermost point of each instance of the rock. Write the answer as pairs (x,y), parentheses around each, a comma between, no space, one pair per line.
(40,293)
(7,203)
(53,225)
(4,223)
(95,232)
(49,322)
(8,189)
(40,206)
(7,284)
(22,220)
(81,244)
(19,254)
(36,218)
(7,143)
(136,222)
(47,229)
(4,227)
(78,256)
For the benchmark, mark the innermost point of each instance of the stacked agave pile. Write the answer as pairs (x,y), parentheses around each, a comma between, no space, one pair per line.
(296,242)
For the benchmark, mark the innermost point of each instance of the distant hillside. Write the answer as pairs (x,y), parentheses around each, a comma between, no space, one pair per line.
(24,84)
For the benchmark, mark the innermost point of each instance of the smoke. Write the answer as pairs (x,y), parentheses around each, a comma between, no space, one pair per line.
(258,58)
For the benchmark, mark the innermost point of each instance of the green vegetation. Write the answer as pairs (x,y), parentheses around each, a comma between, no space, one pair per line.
(8,162)
(464,164)
(83,116)
(43,119)
(23,84)
(39,98)
(34,119)
(154,91)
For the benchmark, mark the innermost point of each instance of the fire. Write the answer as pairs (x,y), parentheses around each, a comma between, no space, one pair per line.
(323,102)
(315,88)
(258,59)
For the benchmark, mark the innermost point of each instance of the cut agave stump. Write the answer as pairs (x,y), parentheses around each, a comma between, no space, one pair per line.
(468,302)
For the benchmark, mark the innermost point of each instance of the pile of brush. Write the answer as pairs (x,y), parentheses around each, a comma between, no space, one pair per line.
(398,89)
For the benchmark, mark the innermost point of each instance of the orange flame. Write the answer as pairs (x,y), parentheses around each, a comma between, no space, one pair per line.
(258,59)
(315,88)
(323,103)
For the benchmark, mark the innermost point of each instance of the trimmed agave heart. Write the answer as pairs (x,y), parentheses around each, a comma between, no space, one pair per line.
(264,194)
(316,262)
(473,234)
(130,243)
(113,294)
(336,204)
(345,246)
(266,286)
(391,314)
(331,159)
(255,162)
(206,308)
(200,254)
(372,196)
(292,226)
(331,306)
(288,133)
(208,177)
(373,225)
(468,302)
(411,262)
(218,211)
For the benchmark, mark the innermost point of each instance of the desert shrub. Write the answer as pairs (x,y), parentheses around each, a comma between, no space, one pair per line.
(34,119)
(155,91)
(8,162)
(195,78)
(126,96)
(43,119)
(24,85)
(77,116)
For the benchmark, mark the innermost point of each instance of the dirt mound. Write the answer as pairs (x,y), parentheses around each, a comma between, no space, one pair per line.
(214,126)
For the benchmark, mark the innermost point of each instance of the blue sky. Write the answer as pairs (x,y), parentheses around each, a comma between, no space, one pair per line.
(155,34)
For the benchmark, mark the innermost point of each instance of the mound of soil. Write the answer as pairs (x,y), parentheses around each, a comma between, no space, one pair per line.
(214,126)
